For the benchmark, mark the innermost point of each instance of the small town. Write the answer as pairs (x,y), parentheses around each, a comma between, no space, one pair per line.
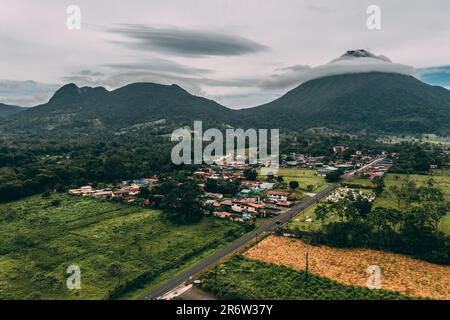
(255,196)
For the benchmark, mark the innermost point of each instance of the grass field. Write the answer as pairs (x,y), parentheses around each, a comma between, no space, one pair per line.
(304,177)
(400,273)
(113,245)
(241,278)
(362,182)
(441,179)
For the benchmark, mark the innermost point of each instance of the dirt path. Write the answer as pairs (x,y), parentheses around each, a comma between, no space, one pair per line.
(349,266)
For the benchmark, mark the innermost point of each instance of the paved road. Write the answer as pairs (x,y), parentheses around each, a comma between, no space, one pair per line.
(271,225)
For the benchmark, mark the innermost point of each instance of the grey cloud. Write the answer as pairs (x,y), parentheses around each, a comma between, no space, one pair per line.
(25,93)
(158,65)
(186,42)
(288,78)
(320,8)
(90,73)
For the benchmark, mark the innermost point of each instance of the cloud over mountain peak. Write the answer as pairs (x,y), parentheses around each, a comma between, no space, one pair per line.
(352,61)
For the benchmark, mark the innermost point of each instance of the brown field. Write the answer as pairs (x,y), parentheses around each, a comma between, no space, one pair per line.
(409,276)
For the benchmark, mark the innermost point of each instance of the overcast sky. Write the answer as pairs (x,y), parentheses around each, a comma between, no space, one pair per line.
(240,53)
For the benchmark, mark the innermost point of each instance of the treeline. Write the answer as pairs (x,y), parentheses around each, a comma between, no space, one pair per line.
(32,168)
(412,157)
(419,158)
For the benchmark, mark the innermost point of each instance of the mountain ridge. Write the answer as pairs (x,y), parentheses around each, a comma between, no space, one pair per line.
(7,110)
(346,102)
(378,102)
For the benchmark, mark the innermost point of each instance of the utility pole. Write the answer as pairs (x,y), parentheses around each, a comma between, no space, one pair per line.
(307,265)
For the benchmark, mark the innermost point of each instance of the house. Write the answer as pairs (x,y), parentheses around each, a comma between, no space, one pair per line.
(224,205)
(245,192)
(102,193)
(214,195)
(322,172)
(86,190)
(129,199)
(83,191)
(125,192)
(250,207)
(344,166)
(75,192)
(372,175)
(250,184)
(266,186)
(284,203)
(222,214)
(210,202)
(339,149)
(278,195)
(315,164)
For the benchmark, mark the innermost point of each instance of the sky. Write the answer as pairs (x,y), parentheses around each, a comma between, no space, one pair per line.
(239,53)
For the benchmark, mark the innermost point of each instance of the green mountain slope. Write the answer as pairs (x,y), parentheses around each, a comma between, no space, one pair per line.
(7,110)
(377,102)
(134,105)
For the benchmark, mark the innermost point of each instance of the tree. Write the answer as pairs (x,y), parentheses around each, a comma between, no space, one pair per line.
(379,185)
(250,174)
(182,204)
(322,213)
(211,185)
(334,176)
(361,207)
(293,185)
(144,192)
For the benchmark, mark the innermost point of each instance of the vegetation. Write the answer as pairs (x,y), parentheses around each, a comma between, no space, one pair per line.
(8,110)
(241,278)
(412,229)
(307,179)
(394,198)
(349,266)
(356,183)
(32,165)
(118,248)
(334,176)
(226,187)
(351,103)
(182,204)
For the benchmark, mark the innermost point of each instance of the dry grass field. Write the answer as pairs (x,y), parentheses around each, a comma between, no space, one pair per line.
(409,276)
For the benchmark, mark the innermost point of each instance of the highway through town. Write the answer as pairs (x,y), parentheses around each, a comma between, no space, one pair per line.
(269,226)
